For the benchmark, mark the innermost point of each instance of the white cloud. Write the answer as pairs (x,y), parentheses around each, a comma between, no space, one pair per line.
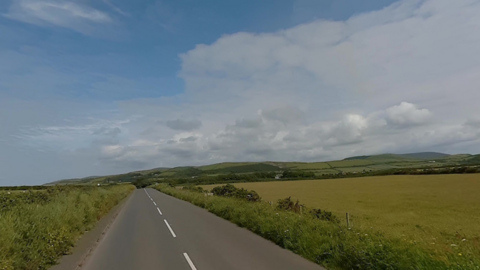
(407,114)
(59,13)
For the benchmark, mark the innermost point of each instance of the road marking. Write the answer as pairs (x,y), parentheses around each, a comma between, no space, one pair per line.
(160,212)
(189,261)
(155,203)
(170,228)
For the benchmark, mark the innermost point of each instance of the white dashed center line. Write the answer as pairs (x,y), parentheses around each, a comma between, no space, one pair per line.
(189,261)
(170,228)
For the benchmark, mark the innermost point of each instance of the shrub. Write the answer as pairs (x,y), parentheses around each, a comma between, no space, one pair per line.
(288,205)
(230,190)
(194,189)
(324,215)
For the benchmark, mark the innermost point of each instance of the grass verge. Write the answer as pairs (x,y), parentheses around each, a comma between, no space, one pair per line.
(39,227)
(326,243)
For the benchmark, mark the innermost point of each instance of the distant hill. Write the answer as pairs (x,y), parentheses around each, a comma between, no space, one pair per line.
(354,165)
(420,155)
(425,155)
(473,159)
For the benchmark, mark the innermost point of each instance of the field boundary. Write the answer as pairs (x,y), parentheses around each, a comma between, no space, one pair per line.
(89,241)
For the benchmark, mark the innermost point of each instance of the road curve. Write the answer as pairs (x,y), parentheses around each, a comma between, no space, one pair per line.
(157,231)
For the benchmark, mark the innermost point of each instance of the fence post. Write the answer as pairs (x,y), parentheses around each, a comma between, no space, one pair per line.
(348,220)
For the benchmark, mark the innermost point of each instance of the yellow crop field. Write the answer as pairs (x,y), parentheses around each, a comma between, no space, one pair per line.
(437,211)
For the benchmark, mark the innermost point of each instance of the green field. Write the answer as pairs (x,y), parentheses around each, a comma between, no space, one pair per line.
(435,211)
(223,165)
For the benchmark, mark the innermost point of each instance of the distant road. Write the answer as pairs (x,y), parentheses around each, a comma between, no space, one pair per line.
(156,231)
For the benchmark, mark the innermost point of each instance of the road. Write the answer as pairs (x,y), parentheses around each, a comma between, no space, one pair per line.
(157,231)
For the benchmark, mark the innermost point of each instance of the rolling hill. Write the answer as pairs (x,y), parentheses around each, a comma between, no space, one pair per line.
(351,165)
(420,155)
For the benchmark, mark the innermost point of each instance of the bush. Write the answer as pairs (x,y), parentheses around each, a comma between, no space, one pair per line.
(194,189)
(324,215)
(230,190)
(288,205)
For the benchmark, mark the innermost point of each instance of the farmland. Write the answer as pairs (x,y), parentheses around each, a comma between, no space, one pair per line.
(41,225)
(228,172)
(435,211)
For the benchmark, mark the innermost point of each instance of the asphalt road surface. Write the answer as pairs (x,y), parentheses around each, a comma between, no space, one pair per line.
(157,231)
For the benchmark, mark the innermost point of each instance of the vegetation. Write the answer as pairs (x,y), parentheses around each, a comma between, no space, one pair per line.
(257,167)
(37,227)
(233,192)
(23,188)
(325,242)
(238,172)
(438,213)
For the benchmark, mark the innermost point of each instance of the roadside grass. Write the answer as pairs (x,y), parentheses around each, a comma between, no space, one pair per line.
(329,244)
(39,227)
(436,212)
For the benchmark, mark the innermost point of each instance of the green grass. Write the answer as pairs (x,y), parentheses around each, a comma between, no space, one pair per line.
(250,168)
(350,163)
(327,243)
(433,211)
(39,227)
(305,165)
(224,165)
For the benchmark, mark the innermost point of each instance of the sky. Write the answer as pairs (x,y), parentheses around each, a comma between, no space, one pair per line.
(98,87)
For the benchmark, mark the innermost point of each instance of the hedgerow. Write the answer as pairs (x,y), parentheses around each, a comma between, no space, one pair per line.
(37,227)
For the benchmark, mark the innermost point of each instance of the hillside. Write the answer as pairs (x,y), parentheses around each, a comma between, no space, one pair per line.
(426,155)
(256,171)
(420,155)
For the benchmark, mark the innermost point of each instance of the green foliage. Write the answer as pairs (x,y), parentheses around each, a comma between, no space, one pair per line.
(142,183)
(290,174)
(326,243)
(324,215)
(40,226)
(185,172)
(258,167)
(24,188)
(194,189)
(233,192)
(288,205)
(122,178)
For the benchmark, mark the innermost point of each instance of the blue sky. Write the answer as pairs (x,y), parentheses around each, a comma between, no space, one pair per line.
(100,87)
(142,39)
